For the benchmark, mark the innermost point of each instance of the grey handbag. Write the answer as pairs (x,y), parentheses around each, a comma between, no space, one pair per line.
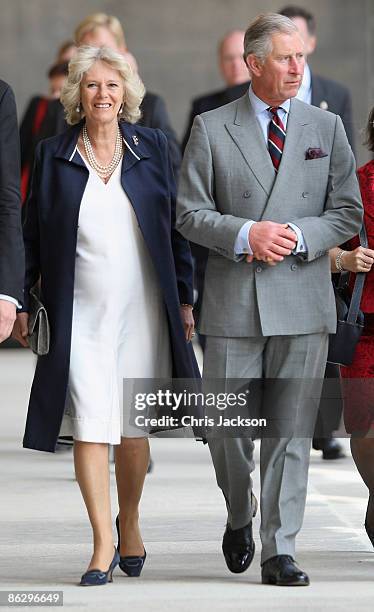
(39,333)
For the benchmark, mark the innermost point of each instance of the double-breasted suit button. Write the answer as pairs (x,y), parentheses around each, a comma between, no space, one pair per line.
(258,269)
(294,267)
(247,194)
(305,194)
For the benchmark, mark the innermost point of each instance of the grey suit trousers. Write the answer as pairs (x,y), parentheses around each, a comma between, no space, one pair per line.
(284,461)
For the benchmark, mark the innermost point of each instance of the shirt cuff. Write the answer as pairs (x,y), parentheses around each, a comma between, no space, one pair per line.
(242,245)
(300,247)
(7,298)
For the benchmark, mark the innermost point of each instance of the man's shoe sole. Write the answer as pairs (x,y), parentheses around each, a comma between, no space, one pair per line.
(273,581)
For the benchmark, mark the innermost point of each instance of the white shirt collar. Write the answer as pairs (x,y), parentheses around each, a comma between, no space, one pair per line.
(304,92)
(259,106)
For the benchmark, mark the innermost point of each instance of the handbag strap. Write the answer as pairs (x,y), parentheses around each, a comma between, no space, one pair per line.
(354,306)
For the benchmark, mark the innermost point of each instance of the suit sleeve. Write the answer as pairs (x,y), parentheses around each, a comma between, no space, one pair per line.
(192,115)
(197,216)
(180,247)
(343,212)
(11,244)
(31,233)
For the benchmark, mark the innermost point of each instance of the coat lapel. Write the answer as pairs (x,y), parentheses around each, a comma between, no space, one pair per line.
(135,150)
(247,135)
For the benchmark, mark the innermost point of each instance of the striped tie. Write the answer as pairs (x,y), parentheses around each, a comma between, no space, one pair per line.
(276,137)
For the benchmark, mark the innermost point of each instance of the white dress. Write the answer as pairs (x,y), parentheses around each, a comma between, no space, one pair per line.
(119,327)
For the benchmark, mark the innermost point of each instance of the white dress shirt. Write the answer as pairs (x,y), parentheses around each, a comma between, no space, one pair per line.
(264,117)
(8,298)
(305,92)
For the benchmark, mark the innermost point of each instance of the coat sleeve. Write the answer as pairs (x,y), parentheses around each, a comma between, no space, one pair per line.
(343,211)
(31,232)
(180,246)
(11,244)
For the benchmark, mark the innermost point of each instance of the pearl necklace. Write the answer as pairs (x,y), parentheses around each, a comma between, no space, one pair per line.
(103,171)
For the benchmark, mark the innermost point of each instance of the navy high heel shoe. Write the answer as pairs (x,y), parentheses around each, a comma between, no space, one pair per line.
(132,565)
(96,577)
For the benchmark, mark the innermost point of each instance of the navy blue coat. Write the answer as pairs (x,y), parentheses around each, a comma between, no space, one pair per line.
(50,236)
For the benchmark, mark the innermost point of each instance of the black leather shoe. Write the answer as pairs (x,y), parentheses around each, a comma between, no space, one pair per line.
(283,571)
(330,447)
(370,533)
(369,530)
(238,548)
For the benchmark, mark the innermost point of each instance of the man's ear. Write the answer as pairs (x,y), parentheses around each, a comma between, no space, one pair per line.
(312,42)
(254,65)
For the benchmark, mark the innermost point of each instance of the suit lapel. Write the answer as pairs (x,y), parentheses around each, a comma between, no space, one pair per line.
(298,138)
(247,135)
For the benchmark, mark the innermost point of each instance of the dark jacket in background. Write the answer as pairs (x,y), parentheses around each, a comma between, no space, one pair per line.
(11,243)
(338,100)
(211,101)
(155,115)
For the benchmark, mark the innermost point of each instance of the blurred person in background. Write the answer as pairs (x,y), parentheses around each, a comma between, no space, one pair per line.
(11,243)
(117,308)
(315,89)
(100,29)
(42,118)
(66,51)
(358,378)
(234,73)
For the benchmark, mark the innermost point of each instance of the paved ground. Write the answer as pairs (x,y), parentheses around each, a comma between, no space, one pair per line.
(45,538)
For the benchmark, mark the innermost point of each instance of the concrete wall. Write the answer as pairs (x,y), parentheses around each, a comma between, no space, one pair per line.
(175,44)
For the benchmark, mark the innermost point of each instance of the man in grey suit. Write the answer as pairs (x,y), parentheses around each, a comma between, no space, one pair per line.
(268,185)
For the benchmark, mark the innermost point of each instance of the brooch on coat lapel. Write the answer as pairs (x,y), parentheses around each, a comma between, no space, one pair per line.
(135,140)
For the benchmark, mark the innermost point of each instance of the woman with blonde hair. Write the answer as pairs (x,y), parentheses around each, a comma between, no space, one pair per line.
(102,30)
(116,281)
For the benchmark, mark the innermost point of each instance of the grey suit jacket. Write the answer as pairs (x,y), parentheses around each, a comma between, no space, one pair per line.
(227,177)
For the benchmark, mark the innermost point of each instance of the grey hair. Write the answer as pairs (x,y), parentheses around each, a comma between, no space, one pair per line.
(257,39)
(84,59)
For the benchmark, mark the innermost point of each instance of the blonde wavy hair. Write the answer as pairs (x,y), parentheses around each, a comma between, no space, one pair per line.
(84,59)
(101,20)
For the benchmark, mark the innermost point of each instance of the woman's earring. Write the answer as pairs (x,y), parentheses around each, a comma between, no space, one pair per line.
(120,109)
(79,108)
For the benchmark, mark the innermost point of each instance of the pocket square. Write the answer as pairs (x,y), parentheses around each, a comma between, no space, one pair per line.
(314,153)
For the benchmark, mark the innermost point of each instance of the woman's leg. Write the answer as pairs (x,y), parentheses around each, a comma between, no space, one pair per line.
(92,471)
(363,456)
(132,459)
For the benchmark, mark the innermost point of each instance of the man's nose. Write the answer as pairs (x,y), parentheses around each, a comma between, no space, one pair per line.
(296,66)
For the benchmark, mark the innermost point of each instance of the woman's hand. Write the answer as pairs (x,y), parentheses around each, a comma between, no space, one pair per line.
(359,260)
(188,321)
(21,329)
